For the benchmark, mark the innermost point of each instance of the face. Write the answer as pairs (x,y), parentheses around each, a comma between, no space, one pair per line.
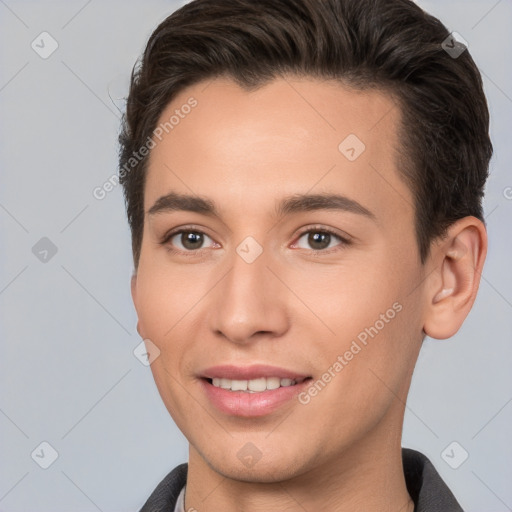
(258,281)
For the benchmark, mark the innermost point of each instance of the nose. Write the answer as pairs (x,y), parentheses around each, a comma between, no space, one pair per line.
(250,301)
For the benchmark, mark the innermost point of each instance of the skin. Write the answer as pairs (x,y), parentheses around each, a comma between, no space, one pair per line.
(295,306)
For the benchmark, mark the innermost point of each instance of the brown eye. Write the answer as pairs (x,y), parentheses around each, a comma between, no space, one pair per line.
(191,240)
(320,239)
(187,241)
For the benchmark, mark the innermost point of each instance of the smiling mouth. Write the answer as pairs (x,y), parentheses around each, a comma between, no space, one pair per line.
(257,385)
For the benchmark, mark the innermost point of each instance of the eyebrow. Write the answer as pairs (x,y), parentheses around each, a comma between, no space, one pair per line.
(288,205)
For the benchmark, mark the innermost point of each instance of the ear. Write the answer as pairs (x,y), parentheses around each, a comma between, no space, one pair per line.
(452,285)
(134,297)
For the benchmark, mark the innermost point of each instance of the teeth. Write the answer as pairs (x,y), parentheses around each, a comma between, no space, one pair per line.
(225,383)
(253,385)
(273,382)
(239,385)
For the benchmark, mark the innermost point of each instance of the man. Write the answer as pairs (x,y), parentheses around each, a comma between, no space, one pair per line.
(303,182)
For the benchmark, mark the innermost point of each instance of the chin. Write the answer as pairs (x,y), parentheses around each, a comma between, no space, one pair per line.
(271,468)
(264,474)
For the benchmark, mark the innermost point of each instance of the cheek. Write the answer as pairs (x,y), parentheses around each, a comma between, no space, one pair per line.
(365,373)
(352,298)
(163,303)
(153,310)
(376,322)
(164,296)
(167,301)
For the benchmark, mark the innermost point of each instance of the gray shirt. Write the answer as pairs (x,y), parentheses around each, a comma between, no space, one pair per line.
(427,489)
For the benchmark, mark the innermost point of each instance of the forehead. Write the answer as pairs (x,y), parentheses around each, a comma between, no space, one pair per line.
(246,148)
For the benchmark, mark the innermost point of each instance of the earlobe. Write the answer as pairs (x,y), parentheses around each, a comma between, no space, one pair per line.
(453,284)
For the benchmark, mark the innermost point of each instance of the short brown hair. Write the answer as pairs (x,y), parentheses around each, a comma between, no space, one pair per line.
(391,45)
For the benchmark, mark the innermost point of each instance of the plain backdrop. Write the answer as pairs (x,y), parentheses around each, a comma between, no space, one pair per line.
(68,374)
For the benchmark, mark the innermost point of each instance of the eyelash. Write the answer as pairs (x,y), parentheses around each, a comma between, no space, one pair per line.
(315,229)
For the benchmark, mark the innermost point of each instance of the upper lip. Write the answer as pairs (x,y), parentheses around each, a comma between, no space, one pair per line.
(254,371)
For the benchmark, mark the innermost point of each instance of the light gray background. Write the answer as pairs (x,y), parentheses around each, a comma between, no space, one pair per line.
(68,373)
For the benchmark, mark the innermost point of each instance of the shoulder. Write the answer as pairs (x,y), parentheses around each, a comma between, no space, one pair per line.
(165,495)
(426,487)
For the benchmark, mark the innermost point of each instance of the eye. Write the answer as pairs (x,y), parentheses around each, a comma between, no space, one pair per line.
(320,239)
(186,240)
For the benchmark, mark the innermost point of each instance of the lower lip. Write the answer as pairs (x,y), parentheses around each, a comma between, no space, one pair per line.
(251,405)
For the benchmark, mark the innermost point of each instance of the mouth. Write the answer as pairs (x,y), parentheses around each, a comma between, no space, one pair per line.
(256,385)
(252,398)
(251,391)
